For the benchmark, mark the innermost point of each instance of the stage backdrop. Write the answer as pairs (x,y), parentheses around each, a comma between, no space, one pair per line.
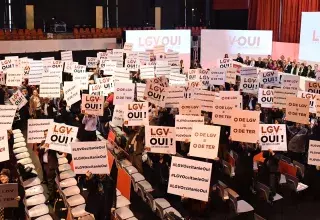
(310,37)
(176,40)
(216,43)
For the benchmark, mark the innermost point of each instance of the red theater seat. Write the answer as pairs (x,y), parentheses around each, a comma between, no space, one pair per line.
(40,34)
(76,33)
(2,34)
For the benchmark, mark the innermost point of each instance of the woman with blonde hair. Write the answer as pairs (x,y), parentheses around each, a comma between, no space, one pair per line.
(35,105)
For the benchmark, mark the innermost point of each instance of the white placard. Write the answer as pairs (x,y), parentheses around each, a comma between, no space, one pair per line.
(18,99)
(190,107)
(77,69)
(231,96)
(231,75)
(91,62)
(132,64)
(265,98)
(122,75)
(161,139)
(162,70)
(123,93)
(205,141)
(269,77)
(117,117)
(8,195)
(36,128)
(225,63)
(314,153)
(90,156)
(136,114)
(146,72)
(82,80)
(60,136)
(71,92)
(248,71)
(7,64)
(273,136)
(184,124)
(4,148)
(206,98)
(107,85)
(156,94)
(222,111)
(66,56)
(312,99)
(141,87)
(290,82)
(127,47)
(218,76)
(50,86)
(249,84)
(175,95)
(7,115)
(144,57)
(35,73)
(95,89)
(190,178)
(14,76)
(313,87)
(108,66)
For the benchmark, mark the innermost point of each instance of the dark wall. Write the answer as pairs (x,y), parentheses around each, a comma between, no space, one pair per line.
(131,13)
(2,13)
(230,19)
(172,14)
(72,12)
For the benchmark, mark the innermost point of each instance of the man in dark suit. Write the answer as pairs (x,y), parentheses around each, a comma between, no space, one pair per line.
(295,69)
(49,163)
(260,63)
(247,61)
(239,58)
(287,67)
(303,70)
(47,109)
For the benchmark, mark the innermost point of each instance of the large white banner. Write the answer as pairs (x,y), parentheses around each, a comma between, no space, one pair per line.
(7,115)
(216,43)
(190,178)
(36,128)
(60,136)
(310,37)
(161,139)
(175,40)
(184,126)
(205,141)
(4,148)
(90,156)
(273,136)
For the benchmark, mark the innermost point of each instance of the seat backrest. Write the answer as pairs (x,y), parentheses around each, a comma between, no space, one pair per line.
(286,168)
(233,197)
(300,168)
(263,190)
(285,158)
(1,32)
(292,182)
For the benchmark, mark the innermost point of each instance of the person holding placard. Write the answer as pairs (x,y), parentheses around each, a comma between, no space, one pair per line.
(102,197)
(105,119)
(90,122)
(297,141)
(35,105)
(12,213)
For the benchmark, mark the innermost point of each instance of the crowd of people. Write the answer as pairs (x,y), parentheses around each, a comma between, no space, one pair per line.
(101,188)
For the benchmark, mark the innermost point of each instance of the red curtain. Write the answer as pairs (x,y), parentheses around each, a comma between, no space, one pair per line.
(291,18)
(265,15)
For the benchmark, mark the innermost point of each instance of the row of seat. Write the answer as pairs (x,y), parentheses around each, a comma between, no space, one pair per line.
(140,185)
(22,34)
(34,193)
(97,32)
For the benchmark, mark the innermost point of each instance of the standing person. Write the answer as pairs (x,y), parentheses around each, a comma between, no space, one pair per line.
(239,58)
(102,198)
(297,141)
(49,162)
(90,122)
(35,105)
(12,213)
(105,119)
(47,108)
(181,66)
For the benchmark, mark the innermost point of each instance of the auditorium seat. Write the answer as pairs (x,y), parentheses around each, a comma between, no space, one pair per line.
(40,34)
(239,206)
(33,33)
(27,34)
(76,33)
(87,33)
(264,193)
(82,33)
(93,33)
(99,33)
(14,34)
(7,35)
(2,34)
